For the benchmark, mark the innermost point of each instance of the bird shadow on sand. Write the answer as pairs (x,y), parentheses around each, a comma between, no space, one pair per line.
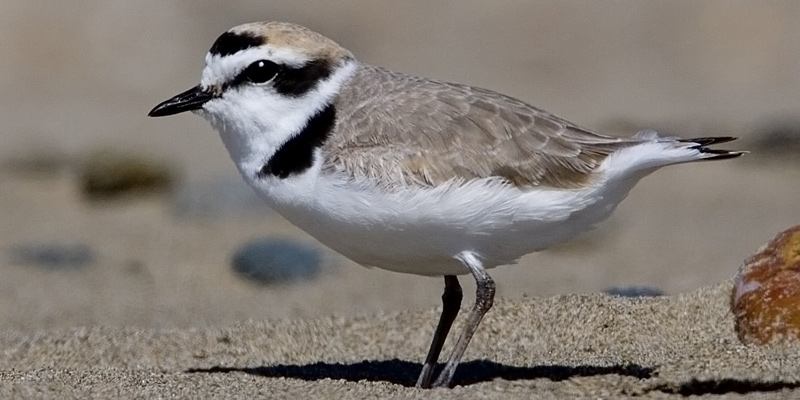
(405,373)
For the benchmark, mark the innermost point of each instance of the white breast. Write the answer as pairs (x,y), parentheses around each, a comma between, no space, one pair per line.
(419,231)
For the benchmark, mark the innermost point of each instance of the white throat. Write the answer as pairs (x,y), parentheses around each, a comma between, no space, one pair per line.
(254,123)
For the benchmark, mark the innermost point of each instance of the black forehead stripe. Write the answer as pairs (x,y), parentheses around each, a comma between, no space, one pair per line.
(229,43)
(296,82)
(297,154)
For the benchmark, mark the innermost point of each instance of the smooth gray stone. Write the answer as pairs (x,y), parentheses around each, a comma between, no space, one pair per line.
(634,291)
(52,256)
(778,137)
(272,260)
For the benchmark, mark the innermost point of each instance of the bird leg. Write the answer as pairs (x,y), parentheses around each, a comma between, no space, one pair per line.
(484,297)
(451,303)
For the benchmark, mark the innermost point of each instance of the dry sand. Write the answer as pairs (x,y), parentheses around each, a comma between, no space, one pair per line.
(573,346)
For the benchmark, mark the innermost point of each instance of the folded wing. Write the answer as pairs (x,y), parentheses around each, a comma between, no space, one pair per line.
(409,130)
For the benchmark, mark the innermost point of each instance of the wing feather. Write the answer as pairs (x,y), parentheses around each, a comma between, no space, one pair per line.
(410,130)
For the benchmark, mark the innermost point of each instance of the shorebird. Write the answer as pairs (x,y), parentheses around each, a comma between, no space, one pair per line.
(410,174)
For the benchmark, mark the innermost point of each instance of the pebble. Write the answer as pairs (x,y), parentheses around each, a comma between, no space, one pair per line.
(766,295)
(52,256)
(110,173)
(779,137)
(634,291)
(38,163)
(273,260)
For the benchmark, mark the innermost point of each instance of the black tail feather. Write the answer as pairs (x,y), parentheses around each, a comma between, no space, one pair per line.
(707,141)
(720,154)
(714,154)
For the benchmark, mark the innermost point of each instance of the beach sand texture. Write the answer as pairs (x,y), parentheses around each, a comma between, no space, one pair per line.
(572,346)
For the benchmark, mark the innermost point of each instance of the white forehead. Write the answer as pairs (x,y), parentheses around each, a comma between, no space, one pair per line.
(222,68)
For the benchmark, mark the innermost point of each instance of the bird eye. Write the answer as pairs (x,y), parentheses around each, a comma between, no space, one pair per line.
(261,71)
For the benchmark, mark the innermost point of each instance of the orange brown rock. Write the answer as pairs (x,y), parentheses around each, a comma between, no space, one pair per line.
(766,295)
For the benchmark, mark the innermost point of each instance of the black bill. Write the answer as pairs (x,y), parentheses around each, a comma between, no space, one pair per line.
(192,99)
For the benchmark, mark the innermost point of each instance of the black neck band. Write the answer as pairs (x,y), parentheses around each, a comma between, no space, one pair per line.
(297,154)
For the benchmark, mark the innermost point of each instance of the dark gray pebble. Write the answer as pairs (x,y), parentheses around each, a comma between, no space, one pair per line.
(634,291)
(777,137)
(52,256)
(268,261)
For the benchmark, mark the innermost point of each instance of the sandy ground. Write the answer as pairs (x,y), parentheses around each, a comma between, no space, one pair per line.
(573,346)
(159,312)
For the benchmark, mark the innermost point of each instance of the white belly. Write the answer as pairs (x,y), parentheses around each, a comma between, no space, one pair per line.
(419,231)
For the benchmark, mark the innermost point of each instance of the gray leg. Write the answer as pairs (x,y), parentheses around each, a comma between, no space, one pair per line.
(451,303)
(484,297)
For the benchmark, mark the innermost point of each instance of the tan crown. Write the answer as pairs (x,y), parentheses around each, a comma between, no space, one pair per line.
(297,38)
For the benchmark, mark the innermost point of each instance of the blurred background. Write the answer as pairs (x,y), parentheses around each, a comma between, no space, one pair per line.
(112,218)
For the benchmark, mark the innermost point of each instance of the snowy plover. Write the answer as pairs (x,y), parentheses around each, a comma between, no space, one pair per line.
(410,174)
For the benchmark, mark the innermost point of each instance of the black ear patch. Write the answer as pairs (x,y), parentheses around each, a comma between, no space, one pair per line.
(295,82)
(229,43)
(292,81)
(297,154)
